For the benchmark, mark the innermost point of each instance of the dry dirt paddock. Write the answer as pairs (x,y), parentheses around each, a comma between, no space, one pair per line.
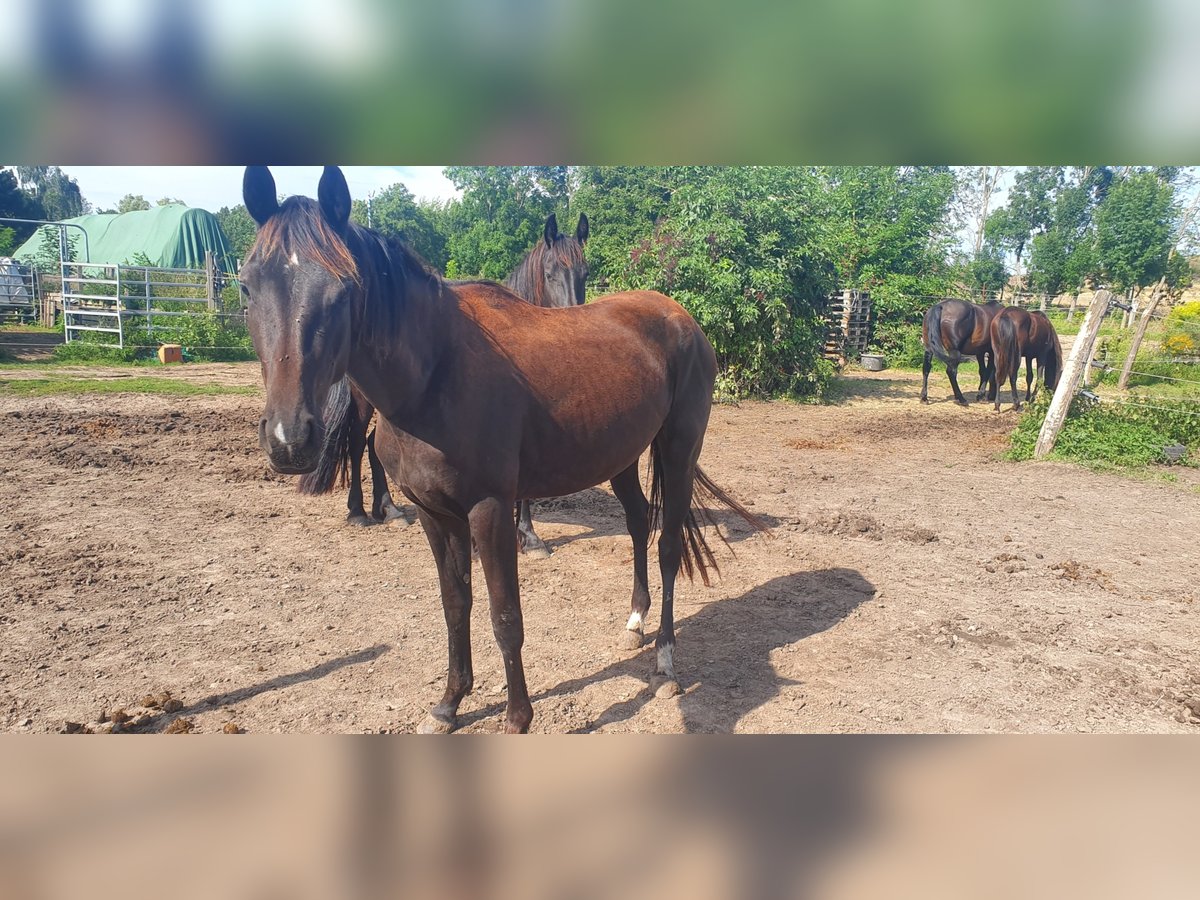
(915,582)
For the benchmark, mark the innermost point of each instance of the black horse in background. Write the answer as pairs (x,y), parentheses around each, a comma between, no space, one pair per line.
(553,274)
(952,331)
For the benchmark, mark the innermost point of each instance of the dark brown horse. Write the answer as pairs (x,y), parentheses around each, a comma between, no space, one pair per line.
(1009,336)
(552,274)
(482,398)
(952,331)
(1044,348)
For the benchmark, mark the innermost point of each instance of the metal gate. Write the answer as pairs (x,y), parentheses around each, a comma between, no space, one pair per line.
(20,291)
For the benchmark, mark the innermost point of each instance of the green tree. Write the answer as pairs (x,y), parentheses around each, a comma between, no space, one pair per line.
(7,240)
(132,203)
(739,249)
(1133,230)
(56,195)
(169,201)
(17,204)
(623,205)
(239,229)
(395,212)
(501,213)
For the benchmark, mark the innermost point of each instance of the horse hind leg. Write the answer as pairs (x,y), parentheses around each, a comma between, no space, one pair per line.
(628,491)
(527,540)
(356,514)
(926,365)
(383,508)
(984,376)
(952,374)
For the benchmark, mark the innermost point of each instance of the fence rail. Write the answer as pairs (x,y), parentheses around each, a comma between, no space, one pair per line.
(110,298)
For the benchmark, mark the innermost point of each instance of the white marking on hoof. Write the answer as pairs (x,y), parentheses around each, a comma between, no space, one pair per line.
(666,661)
(279,433)
(635,622)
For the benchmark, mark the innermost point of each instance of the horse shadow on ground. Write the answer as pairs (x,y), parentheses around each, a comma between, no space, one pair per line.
(602,514)
(723,652)
(231,698)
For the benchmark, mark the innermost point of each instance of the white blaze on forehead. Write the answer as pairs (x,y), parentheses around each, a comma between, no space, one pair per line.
(295,259)
(279,433)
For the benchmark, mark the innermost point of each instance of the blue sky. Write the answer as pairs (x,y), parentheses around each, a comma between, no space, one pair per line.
(211,187)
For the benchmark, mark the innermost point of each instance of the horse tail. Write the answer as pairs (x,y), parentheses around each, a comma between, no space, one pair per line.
(933,334)
(697,555)
(341,418)
(1006,349)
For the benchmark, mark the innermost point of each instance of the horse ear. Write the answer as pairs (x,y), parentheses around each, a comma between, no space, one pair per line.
(258,193)
(334,196)
(551,231)
(581,230)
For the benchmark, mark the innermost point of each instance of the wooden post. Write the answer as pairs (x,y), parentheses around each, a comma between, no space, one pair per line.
(1081,353)
(1123,381)
(210,280)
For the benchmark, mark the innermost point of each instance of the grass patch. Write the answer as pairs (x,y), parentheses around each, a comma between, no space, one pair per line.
(1111,434)
(48,387)
(22,328)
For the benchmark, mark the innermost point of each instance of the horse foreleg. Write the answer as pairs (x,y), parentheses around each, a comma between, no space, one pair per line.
(984,375)
(637,519)
(382,507)
(495,535)
(1029,377)
(1012,381)
(450,541)
(925,367)
(531,545)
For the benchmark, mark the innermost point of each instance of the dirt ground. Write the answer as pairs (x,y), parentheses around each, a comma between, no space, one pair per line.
(914,582)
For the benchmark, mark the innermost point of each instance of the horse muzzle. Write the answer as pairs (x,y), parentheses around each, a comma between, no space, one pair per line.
(293,445)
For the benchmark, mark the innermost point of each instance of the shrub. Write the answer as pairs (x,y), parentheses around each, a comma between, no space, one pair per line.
(1121,434)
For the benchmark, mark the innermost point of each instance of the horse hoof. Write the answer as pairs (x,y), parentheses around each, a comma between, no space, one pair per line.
(632,640)
(667,689)
(359,521)
(435,725)
(924,399)
(397,521)
(963,403)
(542,552)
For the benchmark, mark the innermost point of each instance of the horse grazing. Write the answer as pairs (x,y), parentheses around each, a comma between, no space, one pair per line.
(1046,349)
(1009,336)
(953,330)
(552,274)
(482,398)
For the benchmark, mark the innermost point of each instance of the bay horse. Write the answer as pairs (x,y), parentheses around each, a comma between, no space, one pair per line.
(1009,335)
(552,274)
(483,398)
(1046,349)
(953,330)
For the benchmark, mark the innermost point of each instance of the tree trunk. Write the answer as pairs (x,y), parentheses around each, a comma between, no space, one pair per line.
(1074,305)
(1073,370)
(1143,324)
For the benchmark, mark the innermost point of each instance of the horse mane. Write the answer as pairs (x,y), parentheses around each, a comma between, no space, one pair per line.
(526,281)
(382,268)
(299,228)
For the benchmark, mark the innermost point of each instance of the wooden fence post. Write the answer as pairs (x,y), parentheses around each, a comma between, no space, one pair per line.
(1143,324)
(210,280)
(1081,353)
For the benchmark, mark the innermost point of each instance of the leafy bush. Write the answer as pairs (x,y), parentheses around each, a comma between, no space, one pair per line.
(1121,434)
(1181,330)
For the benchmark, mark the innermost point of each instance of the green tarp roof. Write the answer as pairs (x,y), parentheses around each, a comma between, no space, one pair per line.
(174,236)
